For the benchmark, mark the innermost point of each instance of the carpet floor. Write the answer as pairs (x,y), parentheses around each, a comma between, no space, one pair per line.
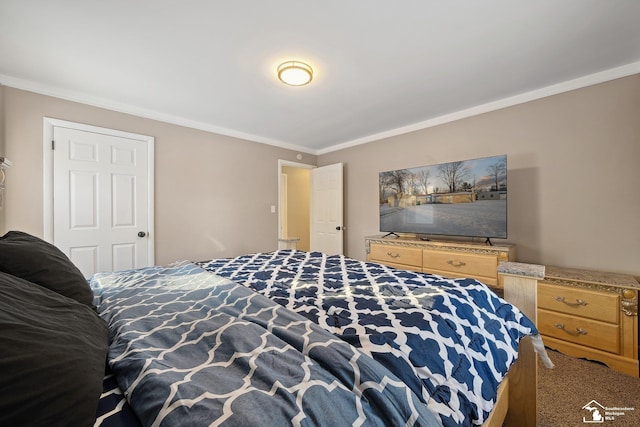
(565,392)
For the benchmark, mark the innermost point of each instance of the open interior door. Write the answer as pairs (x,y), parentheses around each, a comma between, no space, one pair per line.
(327,210)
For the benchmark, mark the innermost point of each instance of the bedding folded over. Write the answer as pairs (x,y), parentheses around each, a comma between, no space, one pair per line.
(192,348)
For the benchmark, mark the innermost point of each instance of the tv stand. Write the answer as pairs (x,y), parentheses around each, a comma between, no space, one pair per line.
(391,233)
(446,258)
(488,242)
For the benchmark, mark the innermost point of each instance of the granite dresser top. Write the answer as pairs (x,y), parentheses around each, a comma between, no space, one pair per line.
(522,269)
(598,277)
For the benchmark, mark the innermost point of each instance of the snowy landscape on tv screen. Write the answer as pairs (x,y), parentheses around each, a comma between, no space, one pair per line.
(463,198)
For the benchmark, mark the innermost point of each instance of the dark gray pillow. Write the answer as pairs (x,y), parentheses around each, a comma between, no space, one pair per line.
(52,357)
(37,261)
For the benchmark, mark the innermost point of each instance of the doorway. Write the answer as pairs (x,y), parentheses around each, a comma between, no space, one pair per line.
(294,205)
(310,202)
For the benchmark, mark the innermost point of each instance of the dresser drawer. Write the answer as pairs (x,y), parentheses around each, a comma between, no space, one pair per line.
(396,255)
(579,302)
(587,332)
(461,264)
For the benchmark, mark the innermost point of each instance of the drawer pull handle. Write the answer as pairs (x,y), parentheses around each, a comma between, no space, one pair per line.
(579,331)
(392,255)
(578,301)
(456,263)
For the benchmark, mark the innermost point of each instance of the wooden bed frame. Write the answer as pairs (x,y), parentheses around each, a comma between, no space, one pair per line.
(517,394)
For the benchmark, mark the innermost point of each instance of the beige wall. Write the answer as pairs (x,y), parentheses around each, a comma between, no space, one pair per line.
(574,170)
(2,151)
(212,193)
(1,120)
(298,204)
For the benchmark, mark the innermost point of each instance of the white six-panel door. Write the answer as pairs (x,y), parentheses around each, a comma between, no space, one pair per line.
(327,209)
(101,199)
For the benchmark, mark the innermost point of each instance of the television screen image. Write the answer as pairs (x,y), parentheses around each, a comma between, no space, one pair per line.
(462,198)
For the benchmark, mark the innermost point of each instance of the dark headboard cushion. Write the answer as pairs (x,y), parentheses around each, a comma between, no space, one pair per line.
(37,261)
(52,357)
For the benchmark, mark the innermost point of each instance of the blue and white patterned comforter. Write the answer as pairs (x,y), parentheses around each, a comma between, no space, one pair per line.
(190,348)
(450,341)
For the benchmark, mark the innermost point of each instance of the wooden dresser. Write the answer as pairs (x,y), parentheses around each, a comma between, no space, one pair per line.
(446,258)
(590,314)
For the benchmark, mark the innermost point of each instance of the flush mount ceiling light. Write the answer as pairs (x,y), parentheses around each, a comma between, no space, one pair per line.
(295,73)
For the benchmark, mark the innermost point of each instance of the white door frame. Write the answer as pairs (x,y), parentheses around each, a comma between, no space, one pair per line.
(47,177)
(282,206)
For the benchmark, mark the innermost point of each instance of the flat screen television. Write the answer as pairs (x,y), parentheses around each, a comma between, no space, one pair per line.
(463,198)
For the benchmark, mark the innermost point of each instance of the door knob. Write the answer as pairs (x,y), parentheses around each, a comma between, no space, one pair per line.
(141,234)
(338,228)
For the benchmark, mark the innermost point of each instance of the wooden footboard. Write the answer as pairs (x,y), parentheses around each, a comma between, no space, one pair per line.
(517,395)
(499,413)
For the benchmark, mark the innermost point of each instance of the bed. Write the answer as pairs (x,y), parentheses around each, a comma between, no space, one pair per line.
(280,338)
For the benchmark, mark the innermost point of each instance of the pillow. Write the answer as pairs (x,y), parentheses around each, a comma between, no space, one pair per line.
(52,357)
(40,262)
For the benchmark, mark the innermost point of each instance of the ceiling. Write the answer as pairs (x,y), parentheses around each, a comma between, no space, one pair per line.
(381,67)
